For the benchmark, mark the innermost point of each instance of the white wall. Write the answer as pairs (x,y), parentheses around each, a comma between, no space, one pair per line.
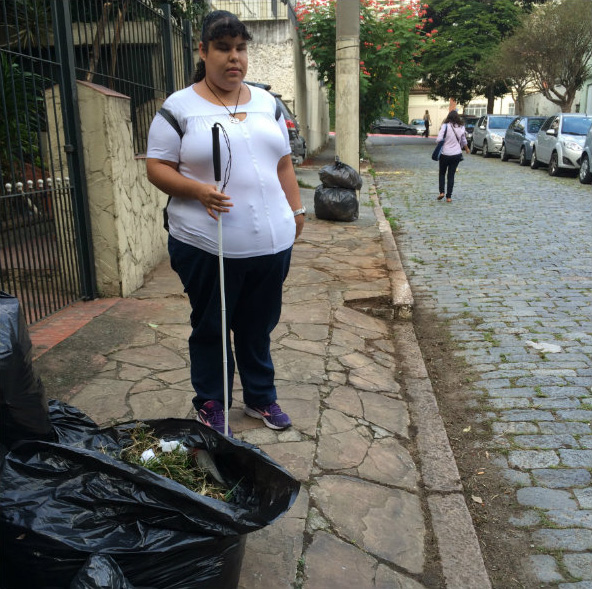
(438,109)
(276,58)
(537,104)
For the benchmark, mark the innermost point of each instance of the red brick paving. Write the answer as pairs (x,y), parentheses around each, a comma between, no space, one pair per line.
(56,328)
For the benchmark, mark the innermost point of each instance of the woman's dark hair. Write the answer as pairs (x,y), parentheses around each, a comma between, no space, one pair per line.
(454,118)
(218,24)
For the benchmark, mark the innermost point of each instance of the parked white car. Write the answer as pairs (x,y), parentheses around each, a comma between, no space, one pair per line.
(488,134)
(560,142)
(585,174)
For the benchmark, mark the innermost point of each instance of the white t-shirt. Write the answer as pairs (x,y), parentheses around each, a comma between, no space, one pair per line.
(261,221)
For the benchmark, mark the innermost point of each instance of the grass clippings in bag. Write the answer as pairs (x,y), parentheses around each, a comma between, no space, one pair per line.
(178,464)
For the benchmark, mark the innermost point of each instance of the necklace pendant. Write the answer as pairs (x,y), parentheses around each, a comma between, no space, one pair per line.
(233,120)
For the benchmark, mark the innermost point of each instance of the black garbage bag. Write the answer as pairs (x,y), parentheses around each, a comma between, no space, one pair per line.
(23,404)
(100,572)
(340,175)
(61,504)
(335,204)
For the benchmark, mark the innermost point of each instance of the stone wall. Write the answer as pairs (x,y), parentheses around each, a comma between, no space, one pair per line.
(125,209)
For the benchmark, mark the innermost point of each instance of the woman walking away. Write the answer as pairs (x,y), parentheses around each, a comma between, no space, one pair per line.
(261,211)
(452,132)
(427,121)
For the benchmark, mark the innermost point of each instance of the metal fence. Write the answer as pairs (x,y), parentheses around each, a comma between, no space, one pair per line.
(46,256)
(135,49)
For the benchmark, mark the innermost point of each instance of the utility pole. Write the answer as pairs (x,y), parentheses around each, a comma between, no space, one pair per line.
(347,82)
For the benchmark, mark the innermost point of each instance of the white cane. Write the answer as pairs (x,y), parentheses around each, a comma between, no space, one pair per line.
(218,179)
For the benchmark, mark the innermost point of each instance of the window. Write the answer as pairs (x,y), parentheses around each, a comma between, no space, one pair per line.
(502,122)
(518,126)
(576,125)
(477,110)
(547,123)
(534,125)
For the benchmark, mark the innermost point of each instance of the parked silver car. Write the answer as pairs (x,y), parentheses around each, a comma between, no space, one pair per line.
(585,174)
(419,125)
(519,137)
(488,134)
(560,142)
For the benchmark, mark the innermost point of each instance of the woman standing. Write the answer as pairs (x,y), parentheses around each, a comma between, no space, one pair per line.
(427,121)
(452,132)
(261,212)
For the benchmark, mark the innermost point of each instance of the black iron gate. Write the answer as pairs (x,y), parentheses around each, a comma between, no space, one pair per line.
(46,254)
(45,247)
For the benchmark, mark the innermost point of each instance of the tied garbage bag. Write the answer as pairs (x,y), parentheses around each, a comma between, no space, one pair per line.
(61,503)
(23,404)
(340,175)
(335,204)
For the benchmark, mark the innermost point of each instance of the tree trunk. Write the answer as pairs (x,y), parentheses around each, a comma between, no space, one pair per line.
(490,100)
(519,103)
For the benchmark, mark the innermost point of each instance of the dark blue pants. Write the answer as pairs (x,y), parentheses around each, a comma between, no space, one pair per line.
(253,306)
(448,164)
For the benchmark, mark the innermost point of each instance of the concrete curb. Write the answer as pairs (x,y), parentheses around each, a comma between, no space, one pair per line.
(458,546)
(402,298)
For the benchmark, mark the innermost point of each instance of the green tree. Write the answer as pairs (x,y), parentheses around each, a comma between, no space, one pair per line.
(505,66)
(25,116)
(192,10)
(529,5)
(468,32)
(554,46)
(392,39)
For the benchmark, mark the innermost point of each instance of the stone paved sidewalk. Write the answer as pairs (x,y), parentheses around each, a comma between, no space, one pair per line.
(381,503)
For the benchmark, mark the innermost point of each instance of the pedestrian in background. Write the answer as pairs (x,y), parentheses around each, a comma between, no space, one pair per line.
(452,132)
(427,121)
(261,212)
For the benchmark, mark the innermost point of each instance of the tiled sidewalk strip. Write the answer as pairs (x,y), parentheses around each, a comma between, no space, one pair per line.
(55,329)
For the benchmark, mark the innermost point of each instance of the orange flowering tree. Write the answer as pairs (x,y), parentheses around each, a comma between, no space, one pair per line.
(393,36)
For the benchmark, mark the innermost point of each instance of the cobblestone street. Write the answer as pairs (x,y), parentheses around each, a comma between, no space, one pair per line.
(507,266)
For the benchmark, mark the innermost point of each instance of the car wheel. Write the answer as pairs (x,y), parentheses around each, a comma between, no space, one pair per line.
(522,159)
(473,148)
(534,163)
(485,150)
(503,153)
(585,174)
(554,165)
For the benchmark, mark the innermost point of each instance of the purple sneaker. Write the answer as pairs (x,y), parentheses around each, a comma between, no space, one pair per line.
(212,415)
(272,416)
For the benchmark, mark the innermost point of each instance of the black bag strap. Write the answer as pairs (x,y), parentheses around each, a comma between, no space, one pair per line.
(278,111)
(172,121)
